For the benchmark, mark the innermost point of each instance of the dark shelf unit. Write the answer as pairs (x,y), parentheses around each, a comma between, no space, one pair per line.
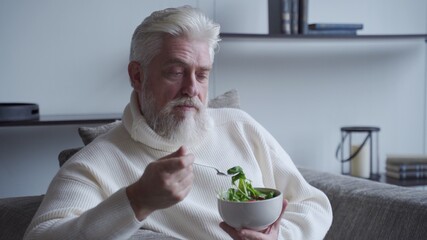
(307,36)
(47,120)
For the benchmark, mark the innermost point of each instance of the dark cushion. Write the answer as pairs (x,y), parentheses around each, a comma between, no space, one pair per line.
(365,209)
(64,155)
(16,214)
(88,134)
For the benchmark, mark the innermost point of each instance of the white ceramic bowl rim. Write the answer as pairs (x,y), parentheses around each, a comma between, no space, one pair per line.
(256,215)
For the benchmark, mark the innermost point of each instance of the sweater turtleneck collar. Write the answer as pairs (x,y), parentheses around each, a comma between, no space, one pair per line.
(140,131)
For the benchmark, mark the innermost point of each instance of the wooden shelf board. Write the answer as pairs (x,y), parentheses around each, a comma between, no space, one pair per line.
(65,120)
(300,36)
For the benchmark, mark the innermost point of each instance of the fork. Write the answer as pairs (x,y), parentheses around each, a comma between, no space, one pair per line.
(218,172)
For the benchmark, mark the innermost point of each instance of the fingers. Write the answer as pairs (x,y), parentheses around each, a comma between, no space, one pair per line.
(176,161)
(274,228)
(182,151)
(164,183)
(230,230)
(284,205)
(271,232)
(176,170)
(245,233)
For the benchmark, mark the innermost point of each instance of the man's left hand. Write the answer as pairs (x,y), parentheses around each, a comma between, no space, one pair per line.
(271,232)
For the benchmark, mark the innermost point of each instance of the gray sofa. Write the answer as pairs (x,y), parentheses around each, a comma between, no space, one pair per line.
(362,209)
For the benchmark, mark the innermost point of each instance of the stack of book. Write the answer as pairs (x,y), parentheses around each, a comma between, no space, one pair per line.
(406,166)
(334,28)
(294,16)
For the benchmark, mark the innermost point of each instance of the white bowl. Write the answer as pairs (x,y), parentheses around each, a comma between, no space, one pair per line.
(256,215)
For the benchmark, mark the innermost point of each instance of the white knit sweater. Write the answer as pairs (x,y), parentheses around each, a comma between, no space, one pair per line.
(87,198)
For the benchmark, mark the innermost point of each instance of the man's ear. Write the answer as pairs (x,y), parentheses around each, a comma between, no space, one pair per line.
(135,75)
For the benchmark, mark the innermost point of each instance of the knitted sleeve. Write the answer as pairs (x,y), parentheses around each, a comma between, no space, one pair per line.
(64,214)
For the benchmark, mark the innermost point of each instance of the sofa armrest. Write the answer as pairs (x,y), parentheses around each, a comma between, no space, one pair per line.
(365,209)
(16,214)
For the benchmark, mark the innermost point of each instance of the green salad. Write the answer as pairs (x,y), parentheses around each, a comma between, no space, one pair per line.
(242,190)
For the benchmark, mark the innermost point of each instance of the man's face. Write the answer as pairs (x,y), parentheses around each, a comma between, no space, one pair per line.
(181,69)
(176,81)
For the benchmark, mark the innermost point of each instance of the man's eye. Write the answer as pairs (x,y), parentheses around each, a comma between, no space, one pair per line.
(202,76)
(175,74)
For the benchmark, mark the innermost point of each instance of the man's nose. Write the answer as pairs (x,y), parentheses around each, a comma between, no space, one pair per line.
(189,86)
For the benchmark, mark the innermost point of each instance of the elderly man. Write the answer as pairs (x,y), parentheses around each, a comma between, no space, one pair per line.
(140,175)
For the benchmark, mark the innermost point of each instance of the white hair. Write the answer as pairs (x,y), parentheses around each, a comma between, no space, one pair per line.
(182,21)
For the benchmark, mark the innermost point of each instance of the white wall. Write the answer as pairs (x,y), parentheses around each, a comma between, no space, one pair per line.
(308,89)
(70,57)
(378,16)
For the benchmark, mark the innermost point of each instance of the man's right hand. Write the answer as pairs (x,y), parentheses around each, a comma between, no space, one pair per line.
(164,183)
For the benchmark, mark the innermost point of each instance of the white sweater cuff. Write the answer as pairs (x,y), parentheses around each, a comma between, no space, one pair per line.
(120,219)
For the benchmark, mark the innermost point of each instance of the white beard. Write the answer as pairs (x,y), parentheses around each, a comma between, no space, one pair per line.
(183,128)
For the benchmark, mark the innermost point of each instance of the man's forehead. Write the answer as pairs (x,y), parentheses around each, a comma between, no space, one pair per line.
(185,62)
(181,50)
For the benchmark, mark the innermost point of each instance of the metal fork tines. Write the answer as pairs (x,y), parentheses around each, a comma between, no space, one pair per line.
(218,172)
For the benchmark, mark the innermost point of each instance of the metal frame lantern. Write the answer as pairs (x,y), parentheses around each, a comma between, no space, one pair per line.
(361,160)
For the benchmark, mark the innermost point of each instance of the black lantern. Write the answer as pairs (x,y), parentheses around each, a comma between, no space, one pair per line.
(360,157)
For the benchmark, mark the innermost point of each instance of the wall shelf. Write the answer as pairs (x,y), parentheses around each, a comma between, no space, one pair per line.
(282,36)
(47,120)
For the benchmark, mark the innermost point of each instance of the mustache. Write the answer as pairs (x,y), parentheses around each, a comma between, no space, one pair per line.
(191,102)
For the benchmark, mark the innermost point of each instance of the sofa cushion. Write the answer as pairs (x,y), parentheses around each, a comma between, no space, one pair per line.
(228,99)
(88,134)
(64,155)
(365,209)
(16,214)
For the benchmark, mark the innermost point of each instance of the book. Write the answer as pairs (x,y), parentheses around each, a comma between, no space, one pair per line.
(274,17)
(294,16)
(407,175)
(406,167)
(406,159)
(303,16)
(331,32)
(286,17)
(335,26)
